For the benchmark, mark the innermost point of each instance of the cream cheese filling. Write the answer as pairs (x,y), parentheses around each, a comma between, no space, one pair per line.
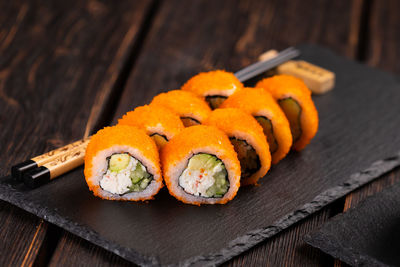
(197,182)
(119,182)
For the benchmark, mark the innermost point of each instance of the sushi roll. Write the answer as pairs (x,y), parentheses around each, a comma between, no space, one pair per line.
(190,108)
(295,100)
(214,86)
(160,123)
(248,140)
(263,107)
(200,166)
(122,163)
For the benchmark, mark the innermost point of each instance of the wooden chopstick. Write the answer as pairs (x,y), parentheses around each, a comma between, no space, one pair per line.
(41,169)
(17,171)
(65,162)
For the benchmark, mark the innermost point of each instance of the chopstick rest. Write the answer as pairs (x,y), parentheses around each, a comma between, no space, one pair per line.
(18,170)
(317,79)
(58,166)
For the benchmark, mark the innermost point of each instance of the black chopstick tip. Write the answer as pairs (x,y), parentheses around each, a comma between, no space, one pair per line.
(18,171)
(37,177)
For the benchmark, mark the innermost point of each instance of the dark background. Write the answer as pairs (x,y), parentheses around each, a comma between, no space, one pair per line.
(68,68)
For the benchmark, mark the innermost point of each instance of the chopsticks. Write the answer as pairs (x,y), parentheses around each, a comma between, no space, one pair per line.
(262,66)
(39,170)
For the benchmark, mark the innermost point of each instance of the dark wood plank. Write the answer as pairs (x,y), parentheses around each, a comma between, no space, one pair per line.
(231,35)
(184,41)
(58,60)
(383,38)
(72,250)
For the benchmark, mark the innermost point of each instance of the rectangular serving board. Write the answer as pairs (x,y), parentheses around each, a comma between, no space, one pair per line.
(358,140)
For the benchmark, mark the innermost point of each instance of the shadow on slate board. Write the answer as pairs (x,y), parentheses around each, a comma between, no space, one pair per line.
(358,140)
(367,235)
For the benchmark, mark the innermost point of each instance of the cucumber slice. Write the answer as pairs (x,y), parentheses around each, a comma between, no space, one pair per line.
(118,162)
(292,110)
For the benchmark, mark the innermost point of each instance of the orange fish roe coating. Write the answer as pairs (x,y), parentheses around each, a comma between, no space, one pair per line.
(199,139)
(241,125)
(284,86)
(259,102)
(217,82)
(183,103)
(153,119)
(121,135)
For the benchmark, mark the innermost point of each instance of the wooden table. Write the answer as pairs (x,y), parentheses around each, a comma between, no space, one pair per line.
(67,68)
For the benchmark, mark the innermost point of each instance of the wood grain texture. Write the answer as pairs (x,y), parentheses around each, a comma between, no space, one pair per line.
(75,251)
(59,60)
(383,43)
(21,236)
(184,41)
(198,36)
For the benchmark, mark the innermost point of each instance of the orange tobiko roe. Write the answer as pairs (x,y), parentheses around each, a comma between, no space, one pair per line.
(241,125)
(125,136)
(183,103)
(192,139)
(258,102)
(284,86)
(217,82)
(154,120)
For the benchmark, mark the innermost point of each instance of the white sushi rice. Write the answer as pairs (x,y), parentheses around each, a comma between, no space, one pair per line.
(218,92)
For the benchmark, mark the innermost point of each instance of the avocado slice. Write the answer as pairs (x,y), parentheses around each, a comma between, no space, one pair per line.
(159,139)
(118,162)
(203,161)
(248,157)
(292,110)
(188,121)
(214,101)
(268,132)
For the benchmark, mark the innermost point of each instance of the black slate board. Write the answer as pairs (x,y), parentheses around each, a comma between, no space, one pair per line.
(367,235)
(358,140)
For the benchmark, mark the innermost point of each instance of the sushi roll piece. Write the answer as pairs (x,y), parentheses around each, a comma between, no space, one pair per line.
(214,86)
(248,140)
(200,166)
(294,98)
(122,163)
(263,107)
(160,123)
(190,108)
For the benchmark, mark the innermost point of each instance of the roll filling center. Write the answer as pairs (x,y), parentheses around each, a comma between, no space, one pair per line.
(125,174)
(205,176)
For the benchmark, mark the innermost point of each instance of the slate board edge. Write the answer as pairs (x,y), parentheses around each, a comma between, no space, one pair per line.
(235,247)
